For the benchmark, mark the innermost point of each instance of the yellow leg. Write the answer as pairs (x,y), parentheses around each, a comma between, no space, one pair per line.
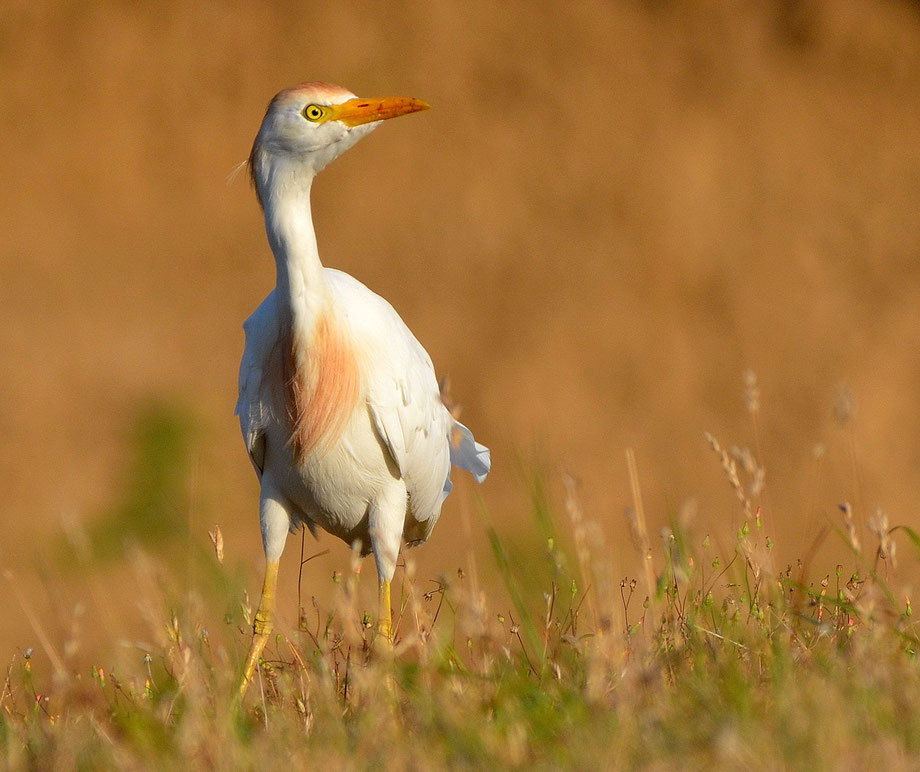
(384,616)
(263,624)
(383,645)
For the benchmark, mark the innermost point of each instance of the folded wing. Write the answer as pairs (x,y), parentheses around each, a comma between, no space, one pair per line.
(254,403)
(405,404)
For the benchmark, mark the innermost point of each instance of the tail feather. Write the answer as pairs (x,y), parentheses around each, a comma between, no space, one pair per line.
(468,454)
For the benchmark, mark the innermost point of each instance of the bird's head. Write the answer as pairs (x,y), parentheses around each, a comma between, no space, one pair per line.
(307,126)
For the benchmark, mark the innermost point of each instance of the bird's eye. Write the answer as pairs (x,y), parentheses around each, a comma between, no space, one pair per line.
(313,113)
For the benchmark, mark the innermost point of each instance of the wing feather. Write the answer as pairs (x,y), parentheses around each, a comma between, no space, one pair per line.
(254,403)
(403,398)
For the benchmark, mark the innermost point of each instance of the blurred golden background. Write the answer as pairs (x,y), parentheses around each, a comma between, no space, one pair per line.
(613,210)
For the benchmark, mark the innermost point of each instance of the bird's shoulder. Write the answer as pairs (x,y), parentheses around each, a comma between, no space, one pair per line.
(262,332)
(375,324)
(263,322)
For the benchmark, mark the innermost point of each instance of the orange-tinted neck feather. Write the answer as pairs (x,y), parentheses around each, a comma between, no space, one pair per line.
(323,386)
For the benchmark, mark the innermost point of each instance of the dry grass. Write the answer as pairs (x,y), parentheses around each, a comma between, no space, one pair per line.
(727,662)
(609,213)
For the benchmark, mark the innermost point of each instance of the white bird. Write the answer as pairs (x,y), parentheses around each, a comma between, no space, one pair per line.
(338,402)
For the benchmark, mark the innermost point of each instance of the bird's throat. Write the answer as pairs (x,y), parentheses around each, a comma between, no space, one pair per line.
(284,191)
(321,378)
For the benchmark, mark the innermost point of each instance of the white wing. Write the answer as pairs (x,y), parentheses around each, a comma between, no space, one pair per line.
(405,402)
(400,389)
(254,403)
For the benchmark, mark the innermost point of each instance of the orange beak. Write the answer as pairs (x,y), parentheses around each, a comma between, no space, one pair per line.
(356,111)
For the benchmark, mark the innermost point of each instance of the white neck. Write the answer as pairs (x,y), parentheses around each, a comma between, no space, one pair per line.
(300,285)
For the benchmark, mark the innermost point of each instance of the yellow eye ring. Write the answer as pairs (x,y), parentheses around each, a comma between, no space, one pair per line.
(314,113)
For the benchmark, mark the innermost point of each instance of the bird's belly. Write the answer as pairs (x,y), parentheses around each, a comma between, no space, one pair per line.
(333,487)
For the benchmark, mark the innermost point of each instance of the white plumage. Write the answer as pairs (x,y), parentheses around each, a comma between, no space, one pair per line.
(338,403)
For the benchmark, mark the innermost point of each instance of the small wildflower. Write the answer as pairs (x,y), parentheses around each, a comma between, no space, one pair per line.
(850,525)
(217,539)
(878,524)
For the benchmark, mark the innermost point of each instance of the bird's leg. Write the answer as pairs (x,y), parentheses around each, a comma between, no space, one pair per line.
(383,645)
(275,521)
(385,614)
(385,524)
(263,623)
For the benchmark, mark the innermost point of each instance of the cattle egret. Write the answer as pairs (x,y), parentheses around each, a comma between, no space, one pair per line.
(338,402)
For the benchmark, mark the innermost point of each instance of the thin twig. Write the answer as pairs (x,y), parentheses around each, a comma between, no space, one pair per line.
(7,687)
(720,637)
(303,562)
(645,545)
(37,628)
(516,632)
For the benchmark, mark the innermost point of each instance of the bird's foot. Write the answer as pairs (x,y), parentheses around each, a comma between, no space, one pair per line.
(261,630)
(262,624)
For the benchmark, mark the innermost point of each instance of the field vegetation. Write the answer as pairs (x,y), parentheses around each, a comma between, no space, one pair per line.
(710,654)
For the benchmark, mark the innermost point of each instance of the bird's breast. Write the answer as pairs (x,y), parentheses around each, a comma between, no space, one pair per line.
(324,385)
